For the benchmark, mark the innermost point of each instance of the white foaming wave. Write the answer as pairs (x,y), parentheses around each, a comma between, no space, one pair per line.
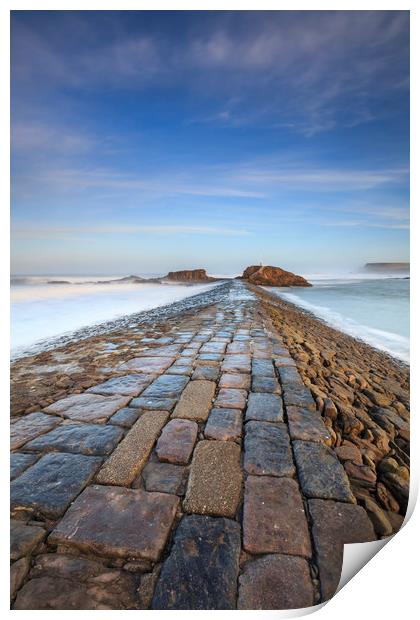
(395,344)
(38,315)
(59,291)
(355,276)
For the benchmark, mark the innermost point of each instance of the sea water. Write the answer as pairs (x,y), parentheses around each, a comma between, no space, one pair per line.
(375,310)
(42,310)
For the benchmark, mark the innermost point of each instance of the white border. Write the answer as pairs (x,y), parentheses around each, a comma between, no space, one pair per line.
(386,586)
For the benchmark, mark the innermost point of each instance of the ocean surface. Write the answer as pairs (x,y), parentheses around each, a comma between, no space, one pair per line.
(373,309)
(42,310)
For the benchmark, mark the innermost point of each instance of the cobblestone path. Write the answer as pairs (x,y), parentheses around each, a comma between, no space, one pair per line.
(199,476)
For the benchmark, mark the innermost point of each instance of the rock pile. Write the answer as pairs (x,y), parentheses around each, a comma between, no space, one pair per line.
(189,275)
(272,276)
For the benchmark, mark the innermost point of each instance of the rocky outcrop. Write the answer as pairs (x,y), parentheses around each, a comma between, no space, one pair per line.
(189,275)
(272,276)
(127,280)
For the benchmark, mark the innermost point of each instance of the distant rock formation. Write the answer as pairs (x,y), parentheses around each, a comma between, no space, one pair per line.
(388,267)
(124,280)
(189,275)
(272,276)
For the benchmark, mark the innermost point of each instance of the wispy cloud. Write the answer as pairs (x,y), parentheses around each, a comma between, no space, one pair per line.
(31,231)
(167,183)
(327,178)
(332,65)
(364,224)
(256,185)
(32,137)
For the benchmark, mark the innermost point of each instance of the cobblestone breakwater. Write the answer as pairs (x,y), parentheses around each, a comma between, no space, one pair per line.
(181,465)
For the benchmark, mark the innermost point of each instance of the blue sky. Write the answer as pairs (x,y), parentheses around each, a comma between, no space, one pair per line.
(149,141)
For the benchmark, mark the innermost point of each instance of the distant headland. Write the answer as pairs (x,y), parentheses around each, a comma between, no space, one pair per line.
(387,267)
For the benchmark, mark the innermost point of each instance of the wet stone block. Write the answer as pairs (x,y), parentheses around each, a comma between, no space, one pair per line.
(284,360)
(128,385)
(166,386)
(191,348)
(336,524)
(90,439)
(68,582)
(132,453)
(262,353)
(162,352)
(118,522)
(181,361)
(289,374)
(307,425)
(19,462)
(202,568)
(267,449)
(207,373)
(280,351)
(147,365)
(213,347)
(210,357)
(231,398)
(224,424)
(265,384)
(263,368)
(298,395)
(165,478)
(235,380)
(275,582)
(264,407)
(48,487)
(125,417)
(200,362)
(195,401)
(179,370)
(24,538)
(88,407)
(159,341)
(236,363)
(200,338)
(321,474)
(30,426)
(153,404)
(274,518)
(237,347)
(214,485)
(188,353)
(176,443)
